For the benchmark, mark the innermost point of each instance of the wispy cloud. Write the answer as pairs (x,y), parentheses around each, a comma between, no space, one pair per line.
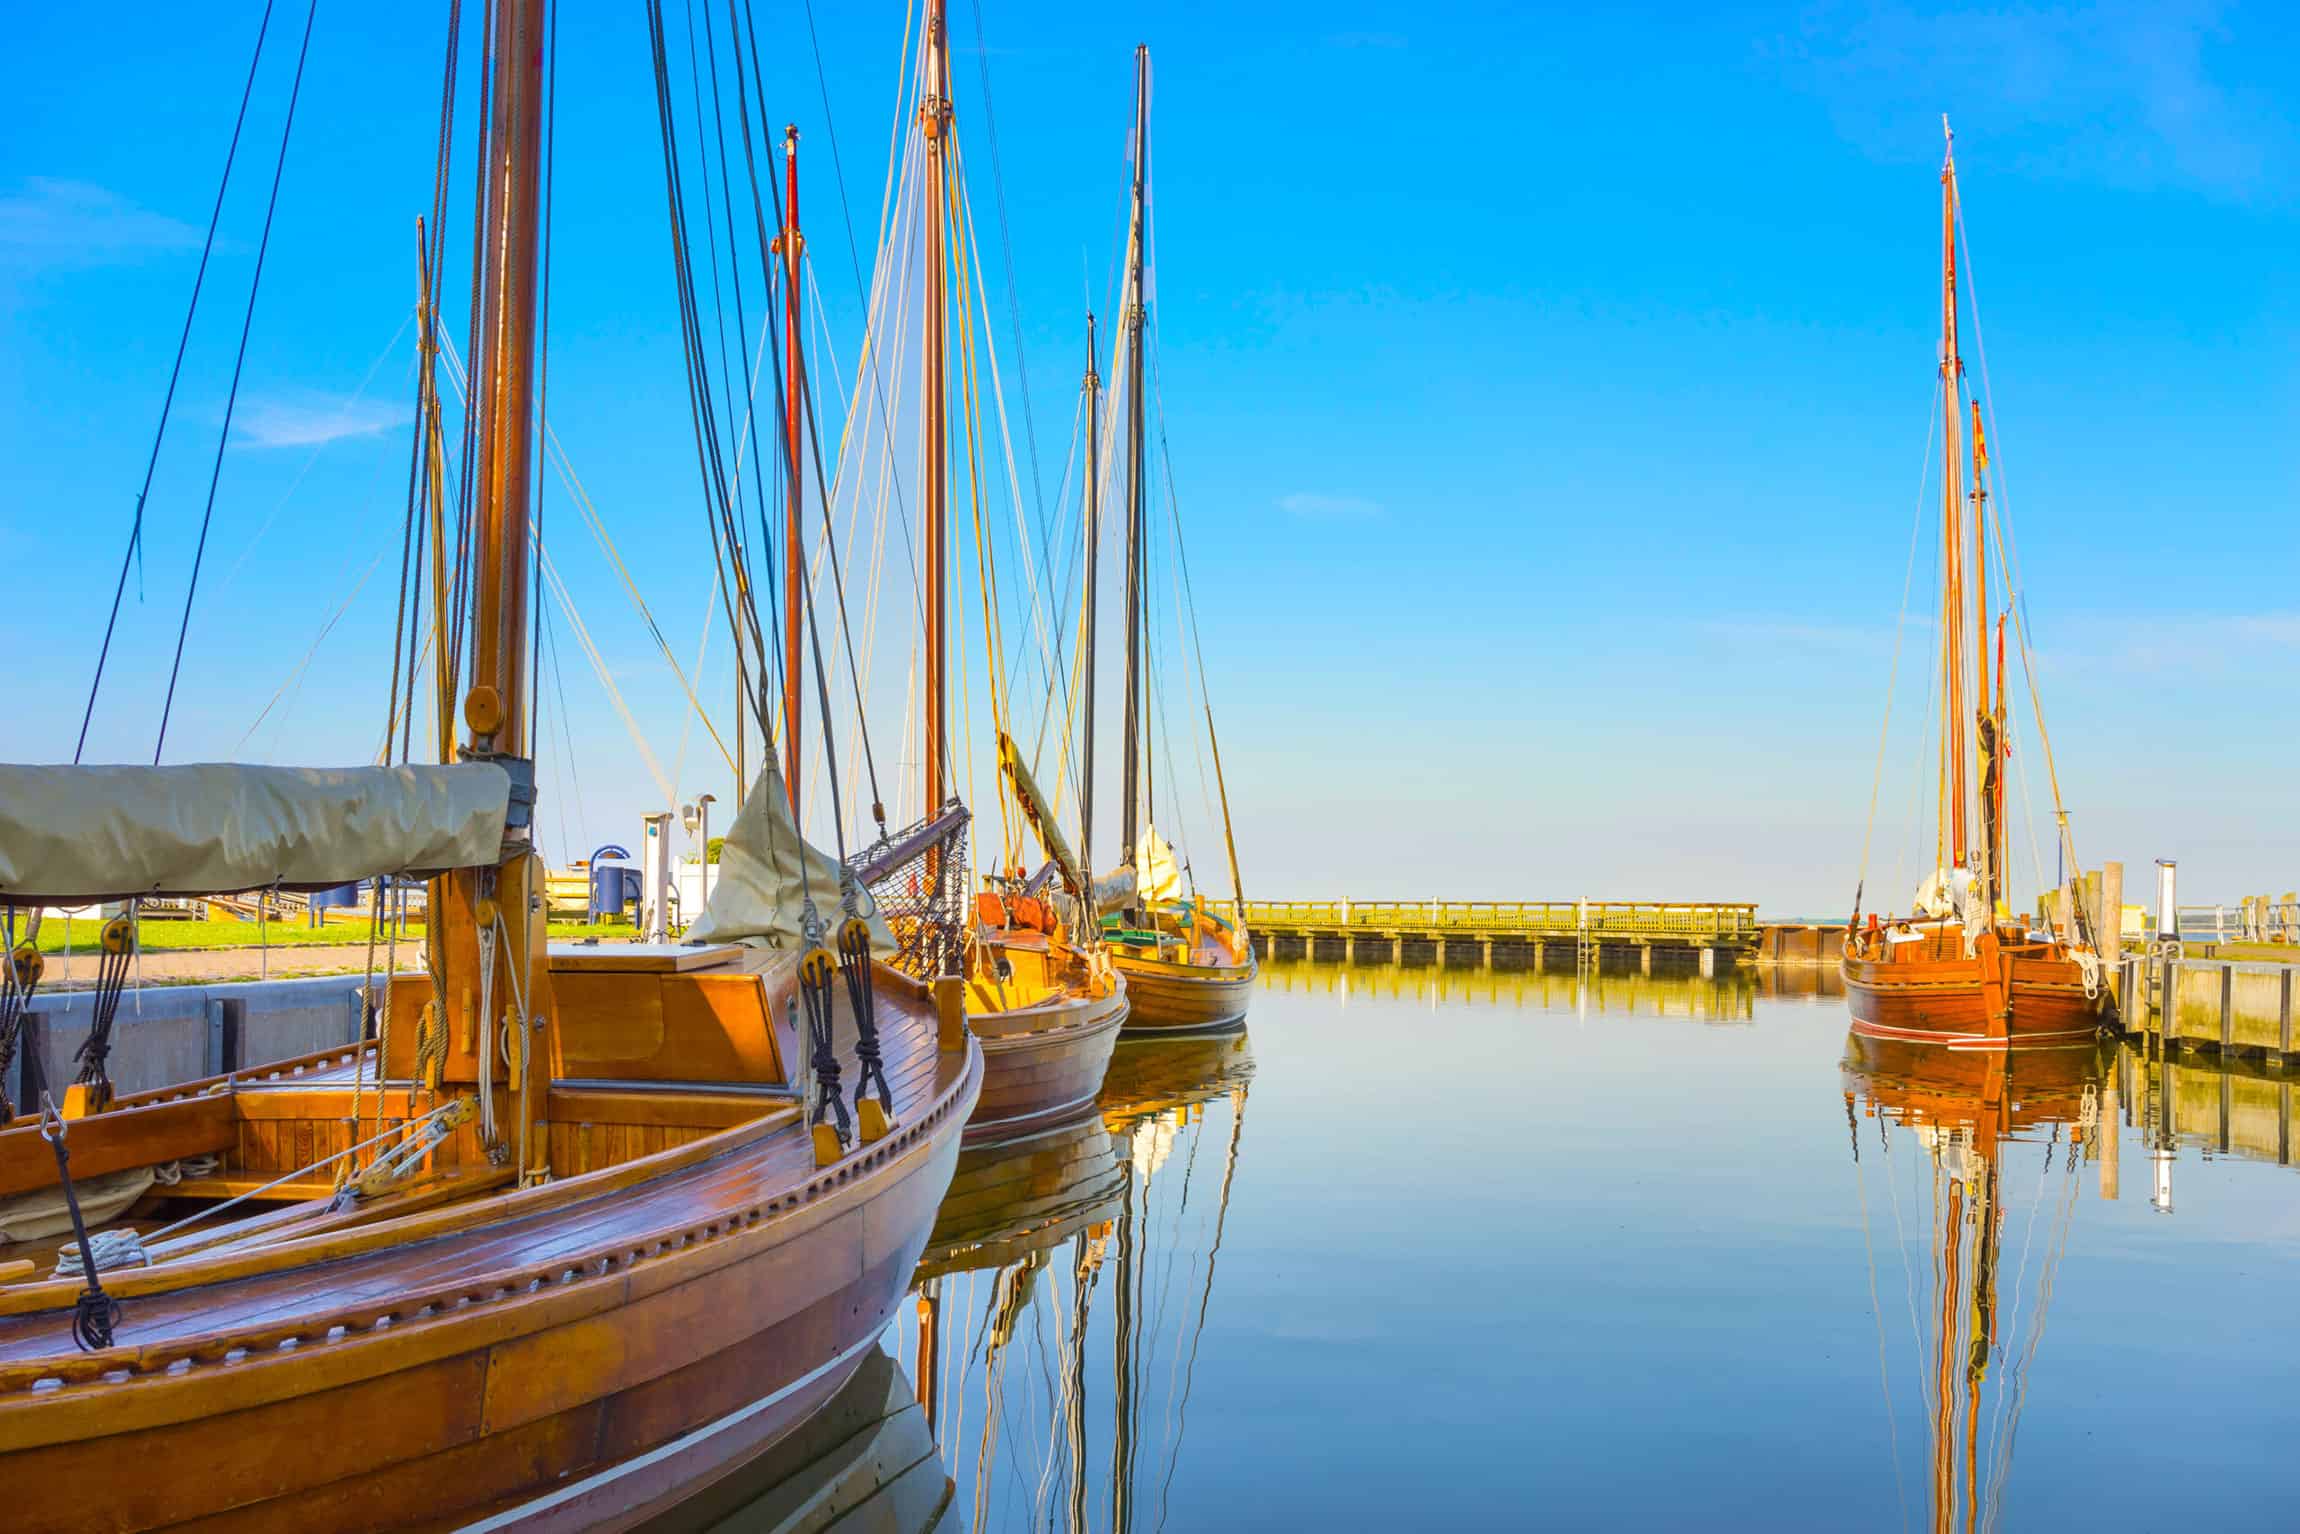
(2120,91)
(310,421)
(54,223)
(1332,508)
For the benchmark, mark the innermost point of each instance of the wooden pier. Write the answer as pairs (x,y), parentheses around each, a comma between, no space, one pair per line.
(1522,934)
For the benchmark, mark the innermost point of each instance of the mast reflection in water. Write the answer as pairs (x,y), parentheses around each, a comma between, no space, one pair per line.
(1061,1300)
(1963,1111)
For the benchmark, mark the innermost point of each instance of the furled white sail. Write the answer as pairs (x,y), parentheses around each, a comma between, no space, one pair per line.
(1160,876)
(71,835)
(766,875)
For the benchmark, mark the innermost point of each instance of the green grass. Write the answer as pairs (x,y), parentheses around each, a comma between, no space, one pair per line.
(190,936)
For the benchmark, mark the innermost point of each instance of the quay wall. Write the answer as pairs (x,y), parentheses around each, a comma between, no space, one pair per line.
(167,1034)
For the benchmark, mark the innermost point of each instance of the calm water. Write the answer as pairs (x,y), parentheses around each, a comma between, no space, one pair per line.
(1429,1249)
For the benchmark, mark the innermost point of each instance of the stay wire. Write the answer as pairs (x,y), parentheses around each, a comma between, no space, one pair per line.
(231,399)
(822,488)
(130,555)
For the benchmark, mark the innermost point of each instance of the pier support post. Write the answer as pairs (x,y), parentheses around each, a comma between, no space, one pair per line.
(2111,926)
(1709,963)
(1645,958)
(2110,1173)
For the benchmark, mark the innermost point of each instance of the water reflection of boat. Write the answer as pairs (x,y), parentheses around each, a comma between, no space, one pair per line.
(866,1460)
(1032,1240)
(1964,1108)
(1010,1200)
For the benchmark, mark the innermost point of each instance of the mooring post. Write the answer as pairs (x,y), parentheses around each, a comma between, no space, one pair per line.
(2110,1189)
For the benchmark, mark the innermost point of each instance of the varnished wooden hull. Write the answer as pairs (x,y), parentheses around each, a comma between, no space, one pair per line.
(1043,1065)
(1174,998)
(1947,1001)
(582,1367)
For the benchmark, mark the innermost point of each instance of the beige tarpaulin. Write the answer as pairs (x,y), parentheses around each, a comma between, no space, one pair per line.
(43,1212)
(767,873)
(1114,893)
(70,835)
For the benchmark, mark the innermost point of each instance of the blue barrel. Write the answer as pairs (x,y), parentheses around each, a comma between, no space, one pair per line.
(338,895)
(614,890)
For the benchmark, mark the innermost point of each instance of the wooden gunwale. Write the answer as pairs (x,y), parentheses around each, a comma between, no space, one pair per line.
(190,1377)
(420,1229)
(26,1298)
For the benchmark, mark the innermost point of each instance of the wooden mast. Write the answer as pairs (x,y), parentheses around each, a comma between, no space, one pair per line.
(1135,486)
(1093,388)
(934,117)
(794,410)
(1954,840)
(490,924)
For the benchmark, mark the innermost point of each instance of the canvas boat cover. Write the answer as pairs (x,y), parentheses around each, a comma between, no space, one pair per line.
(73,835)
(767,872)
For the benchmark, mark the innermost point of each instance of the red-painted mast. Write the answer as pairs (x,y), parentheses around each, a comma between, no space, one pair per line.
(792,245)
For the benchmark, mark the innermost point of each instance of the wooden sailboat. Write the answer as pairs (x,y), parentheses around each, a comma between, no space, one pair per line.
(1040,997)
(1965,1107)
(578,1229)
(1187,966)
(1961,971)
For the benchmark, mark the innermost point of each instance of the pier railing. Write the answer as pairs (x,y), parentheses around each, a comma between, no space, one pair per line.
(2259,919)
(1606,920)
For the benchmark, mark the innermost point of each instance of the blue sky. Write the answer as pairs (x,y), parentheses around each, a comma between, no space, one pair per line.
(1547,391)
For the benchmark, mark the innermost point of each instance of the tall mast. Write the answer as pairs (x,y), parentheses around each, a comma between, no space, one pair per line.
(490,917)
(1093,387)
(1136,499)
(934,427)
(794,408)
(1955,842)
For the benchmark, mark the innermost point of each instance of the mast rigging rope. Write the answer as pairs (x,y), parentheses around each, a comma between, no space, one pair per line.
(231,398)
(129,555)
